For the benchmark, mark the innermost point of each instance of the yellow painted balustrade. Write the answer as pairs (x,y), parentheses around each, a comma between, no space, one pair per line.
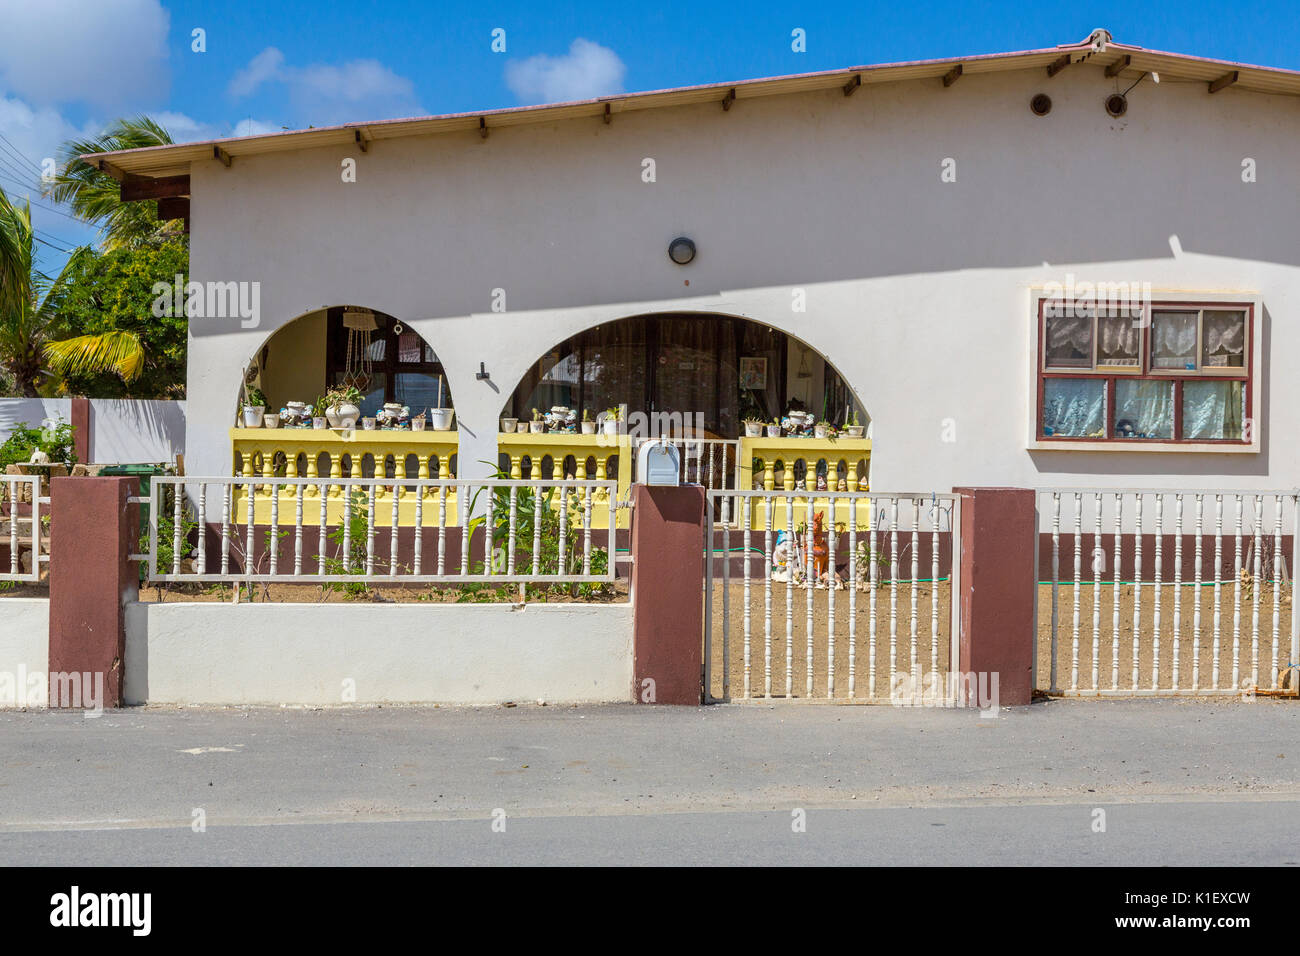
(847,459)
(340,453)
(603,449)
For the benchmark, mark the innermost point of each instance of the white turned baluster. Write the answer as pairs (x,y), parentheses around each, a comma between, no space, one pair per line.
(1178,582)
(1137,586)
(1196,588)
(1056,581)
(417,545)
(1277,583)
(1098,560)
(1114,638)
(227,494)
(893,590)
(853,597)
(934,587)
(273,539)
(810,579)
(1236,598)
(792,556)
(300,494)
(1256,591)
(916,573)
(201,561)
(178,492)
(1218,588)
(1155,601)
(511,530)
(1078,591)
(745,543)
(873,570)
(768,561)
(830,598)
(538,493)
(370,530)
(442,528)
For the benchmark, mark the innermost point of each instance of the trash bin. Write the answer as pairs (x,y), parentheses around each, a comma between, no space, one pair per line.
(144,473)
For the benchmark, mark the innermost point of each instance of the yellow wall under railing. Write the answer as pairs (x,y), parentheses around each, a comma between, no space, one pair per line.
(602,448)
(810,451)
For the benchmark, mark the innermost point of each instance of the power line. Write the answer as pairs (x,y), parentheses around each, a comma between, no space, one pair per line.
(14,149)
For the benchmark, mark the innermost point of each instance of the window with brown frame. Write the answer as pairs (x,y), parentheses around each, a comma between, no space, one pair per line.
(403,368)
(1168,372)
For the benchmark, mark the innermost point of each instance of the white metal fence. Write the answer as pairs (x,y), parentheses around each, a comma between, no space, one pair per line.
(878,617)
(1147,597)
(711,462)
(20,527)
(315,530)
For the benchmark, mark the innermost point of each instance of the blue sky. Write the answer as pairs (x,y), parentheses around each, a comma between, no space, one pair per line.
(69,66)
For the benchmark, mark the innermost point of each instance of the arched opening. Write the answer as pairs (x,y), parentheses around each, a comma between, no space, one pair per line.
(706,372)
(388,362)
(401,385)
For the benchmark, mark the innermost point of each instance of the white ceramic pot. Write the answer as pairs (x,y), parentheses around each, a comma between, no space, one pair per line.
(368,424)
(320,422)
(343,415)
(253,415)
(753,429)
(855,431)
(271,421)
(537,427)
(773,431)
(589,428)
(441,418)
(508,425)
(819,431)
(417,424)
(522,428)
(611,426)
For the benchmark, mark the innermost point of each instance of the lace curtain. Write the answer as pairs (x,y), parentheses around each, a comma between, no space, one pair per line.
(1173,339)
(1213,410)
(1144,409)
(1074,408)
(1069,341)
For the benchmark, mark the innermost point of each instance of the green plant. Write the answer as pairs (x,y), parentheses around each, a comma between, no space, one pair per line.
(318,407)
(613,415)
(537,416)
(586,414)
(167,537)
(56,441)
(347,562)
(853,419)
(343,395)
(254,398)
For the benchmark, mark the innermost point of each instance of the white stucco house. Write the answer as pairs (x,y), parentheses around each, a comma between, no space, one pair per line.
(922,243)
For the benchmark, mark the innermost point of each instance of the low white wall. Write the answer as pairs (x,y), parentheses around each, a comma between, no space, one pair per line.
(24,649)
(125,431)
(307,654)
(32,412)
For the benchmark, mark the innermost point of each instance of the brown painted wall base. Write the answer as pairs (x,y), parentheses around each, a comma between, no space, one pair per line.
(91,580)
(997,588)
(668,614)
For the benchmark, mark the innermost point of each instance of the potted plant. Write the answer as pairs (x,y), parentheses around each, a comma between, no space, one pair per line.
(272,420)
(853,428)
(522,428)
(508,424)
(588,424)
(823,429)
(417,422)
(254,407)
(753,427)
(342,406)
(612,418)
(774,429)
(538,424)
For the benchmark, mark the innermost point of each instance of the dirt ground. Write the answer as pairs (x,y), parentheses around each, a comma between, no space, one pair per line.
(1195,656)
(733,655)
(798,646)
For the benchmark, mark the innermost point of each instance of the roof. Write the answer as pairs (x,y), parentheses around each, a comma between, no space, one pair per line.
(1098,51)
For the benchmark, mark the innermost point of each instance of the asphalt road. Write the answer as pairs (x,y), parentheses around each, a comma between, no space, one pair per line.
(1180,783)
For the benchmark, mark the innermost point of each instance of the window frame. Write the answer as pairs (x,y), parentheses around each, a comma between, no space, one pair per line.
(1249,373)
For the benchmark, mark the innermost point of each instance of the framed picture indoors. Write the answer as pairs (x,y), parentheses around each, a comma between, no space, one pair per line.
(753,372)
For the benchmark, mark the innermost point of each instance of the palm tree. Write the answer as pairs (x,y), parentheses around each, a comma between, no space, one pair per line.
(95,196)
(29,320)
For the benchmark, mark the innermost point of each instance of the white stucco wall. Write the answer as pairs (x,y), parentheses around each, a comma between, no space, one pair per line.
(303,654)
(130,431)
(918,291)
(24,650)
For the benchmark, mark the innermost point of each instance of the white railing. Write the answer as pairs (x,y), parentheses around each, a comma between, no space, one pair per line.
(1152,576)
(329,530)
(22,532)
(903,622)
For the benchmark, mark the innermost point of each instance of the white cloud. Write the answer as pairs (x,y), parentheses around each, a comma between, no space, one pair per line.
(322,94)
(86,51)
(185,129)
(252,127)
(588,70)
(265,66)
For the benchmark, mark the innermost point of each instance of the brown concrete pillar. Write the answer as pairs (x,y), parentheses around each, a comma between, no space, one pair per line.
(80,422)
(998,630)
(668,593)
(93,531)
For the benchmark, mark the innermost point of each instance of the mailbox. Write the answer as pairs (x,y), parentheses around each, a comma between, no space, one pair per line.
(658,463)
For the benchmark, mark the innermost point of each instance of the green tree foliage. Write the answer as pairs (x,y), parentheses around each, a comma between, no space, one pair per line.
(104,306)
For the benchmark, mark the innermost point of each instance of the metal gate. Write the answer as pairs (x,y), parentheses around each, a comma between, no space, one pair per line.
(837,596)
(1168,592)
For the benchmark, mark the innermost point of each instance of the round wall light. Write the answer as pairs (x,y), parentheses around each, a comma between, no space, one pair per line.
(1116,104)
(681,250)
(1041,104)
